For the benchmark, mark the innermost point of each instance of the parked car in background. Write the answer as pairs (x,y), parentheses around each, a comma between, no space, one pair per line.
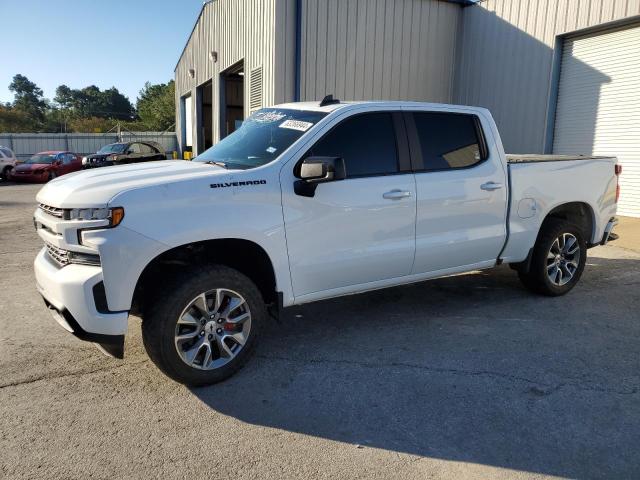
(7,162)
(122,153)
(45,166)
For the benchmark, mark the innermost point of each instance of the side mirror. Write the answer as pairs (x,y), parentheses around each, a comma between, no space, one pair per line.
(316,170)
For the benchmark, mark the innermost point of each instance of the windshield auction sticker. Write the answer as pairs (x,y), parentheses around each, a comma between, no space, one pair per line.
(267,116)
(296,125)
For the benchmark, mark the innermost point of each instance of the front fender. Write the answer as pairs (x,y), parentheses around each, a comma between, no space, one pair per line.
(163,217)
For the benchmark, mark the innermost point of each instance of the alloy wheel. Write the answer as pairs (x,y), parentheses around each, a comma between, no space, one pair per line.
(563,259)
(213,328)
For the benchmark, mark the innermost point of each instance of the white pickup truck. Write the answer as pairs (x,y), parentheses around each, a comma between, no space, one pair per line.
(307,201)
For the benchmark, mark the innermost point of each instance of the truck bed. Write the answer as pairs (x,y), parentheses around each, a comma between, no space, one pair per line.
(534,158)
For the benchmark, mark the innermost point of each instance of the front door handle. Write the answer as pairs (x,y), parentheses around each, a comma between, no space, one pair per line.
(491,186)
(396,195)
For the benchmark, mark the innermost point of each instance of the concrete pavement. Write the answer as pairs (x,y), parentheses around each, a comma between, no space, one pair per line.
(462,377)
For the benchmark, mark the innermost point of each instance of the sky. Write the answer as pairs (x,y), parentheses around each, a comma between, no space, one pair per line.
(107,43)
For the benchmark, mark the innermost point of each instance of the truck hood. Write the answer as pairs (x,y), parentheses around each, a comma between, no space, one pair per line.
(94,188)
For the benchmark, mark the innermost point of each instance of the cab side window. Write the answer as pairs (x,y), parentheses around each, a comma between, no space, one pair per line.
(366,142)
(134,148)
(448,140)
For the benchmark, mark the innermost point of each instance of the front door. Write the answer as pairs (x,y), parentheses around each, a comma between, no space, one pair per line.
(357,230)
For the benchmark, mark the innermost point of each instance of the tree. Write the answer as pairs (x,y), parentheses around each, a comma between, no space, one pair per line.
(117,105)
(156,105)
(28,98)
(14,121)
(64,97)
(92,102)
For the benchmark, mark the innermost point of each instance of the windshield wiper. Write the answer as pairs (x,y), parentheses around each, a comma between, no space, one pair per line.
(214,162)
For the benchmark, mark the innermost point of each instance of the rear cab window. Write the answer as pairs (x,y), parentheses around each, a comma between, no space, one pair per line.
(448,141)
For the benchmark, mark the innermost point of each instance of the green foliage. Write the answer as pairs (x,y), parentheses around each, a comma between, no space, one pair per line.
(14,121)
(92,102)
(28,99)
(86,110)
(156,105)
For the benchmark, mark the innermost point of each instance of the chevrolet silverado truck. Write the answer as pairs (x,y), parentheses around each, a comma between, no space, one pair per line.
(307,201)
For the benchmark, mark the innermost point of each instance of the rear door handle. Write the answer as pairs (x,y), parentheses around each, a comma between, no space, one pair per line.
(491,186)
(396,194)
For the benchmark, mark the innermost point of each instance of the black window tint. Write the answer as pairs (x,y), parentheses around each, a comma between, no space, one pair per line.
(366,142)
(448,140)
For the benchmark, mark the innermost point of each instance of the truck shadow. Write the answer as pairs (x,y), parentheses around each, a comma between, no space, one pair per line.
(469,368)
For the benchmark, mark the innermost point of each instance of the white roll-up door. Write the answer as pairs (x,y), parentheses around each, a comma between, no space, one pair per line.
(598,110)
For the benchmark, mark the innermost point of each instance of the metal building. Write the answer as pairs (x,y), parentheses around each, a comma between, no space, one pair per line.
(560,76)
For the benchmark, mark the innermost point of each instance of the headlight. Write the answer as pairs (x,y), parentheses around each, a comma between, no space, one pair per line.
(114,215)
(84,160)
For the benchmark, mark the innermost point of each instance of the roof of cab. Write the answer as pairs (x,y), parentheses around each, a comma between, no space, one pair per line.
(315,106)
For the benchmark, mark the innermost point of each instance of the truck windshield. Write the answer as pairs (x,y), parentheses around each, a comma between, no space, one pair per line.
(261,138)
(40,158)
(113,148)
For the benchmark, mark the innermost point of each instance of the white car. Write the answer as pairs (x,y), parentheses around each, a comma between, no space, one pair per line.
(7,162)
(307,201)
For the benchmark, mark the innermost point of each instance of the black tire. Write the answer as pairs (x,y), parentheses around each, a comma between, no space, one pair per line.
(159,322)
(52,175)
(537,279)
(6,172)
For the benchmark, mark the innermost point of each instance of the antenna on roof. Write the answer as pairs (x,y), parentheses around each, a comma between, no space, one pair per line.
(329,100)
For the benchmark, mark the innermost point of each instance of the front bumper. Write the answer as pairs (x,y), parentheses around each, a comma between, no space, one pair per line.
(69,294)
(29,176)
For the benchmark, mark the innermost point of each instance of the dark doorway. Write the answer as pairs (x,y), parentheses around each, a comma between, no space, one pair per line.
(231,99)
(205,124)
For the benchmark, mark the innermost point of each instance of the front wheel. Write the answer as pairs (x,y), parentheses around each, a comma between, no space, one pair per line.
(206,328)
(558,259)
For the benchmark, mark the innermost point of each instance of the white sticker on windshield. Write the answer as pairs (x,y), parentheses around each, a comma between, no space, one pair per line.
(271,150)
(267,117)
(296,125)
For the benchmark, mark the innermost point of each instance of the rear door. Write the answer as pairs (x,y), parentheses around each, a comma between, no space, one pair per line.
(461,191)
(361,229)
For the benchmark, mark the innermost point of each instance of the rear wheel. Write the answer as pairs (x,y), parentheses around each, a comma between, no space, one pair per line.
(206,329)
(558,259)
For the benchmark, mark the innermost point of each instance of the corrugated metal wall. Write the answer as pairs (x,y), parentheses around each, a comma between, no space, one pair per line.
(378,49)
(238,30)
(599,104)
(26,144)
(505,58)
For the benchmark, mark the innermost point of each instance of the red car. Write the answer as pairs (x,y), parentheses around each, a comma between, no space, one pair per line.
(45,166)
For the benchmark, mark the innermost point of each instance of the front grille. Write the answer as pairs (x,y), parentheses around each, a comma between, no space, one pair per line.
(58,255)
(56,212)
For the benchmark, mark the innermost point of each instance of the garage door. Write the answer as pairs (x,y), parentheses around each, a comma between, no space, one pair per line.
(598,110)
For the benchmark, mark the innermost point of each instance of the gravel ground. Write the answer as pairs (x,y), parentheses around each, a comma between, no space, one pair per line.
(462,377)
